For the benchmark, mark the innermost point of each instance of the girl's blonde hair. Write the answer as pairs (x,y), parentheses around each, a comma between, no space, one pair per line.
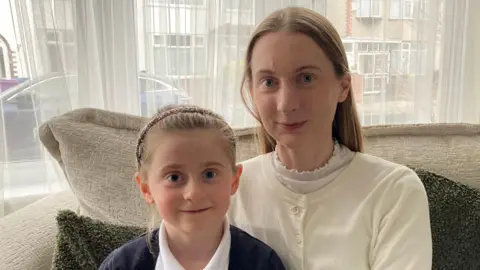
(179,118)
(346,127)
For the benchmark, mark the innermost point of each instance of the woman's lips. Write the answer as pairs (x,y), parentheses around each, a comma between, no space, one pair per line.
(292,126)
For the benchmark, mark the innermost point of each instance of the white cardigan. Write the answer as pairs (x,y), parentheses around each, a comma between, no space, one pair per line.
(373,215)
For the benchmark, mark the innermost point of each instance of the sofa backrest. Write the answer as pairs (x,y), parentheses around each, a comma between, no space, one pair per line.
(451,150)
(96,151)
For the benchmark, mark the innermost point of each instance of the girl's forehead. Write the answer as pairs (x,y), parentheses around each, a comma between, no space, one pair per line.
(184,144)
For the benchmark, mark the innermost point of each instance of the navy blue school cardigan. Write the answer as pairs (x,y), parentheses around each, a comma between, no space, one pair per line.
(246,253)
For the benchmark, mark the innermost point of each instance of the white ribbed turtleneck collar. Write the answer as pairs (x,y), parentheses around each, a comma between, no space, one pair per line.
(308,181)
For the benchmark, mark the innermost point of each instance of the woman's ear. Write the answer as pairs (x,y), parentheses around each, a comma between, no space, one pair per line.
(236,179)
(144,188)
(345,85)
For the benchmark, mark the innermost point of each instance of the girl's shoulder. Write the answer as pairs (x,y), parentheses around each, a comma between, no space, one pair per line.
(135,254)
(248,252)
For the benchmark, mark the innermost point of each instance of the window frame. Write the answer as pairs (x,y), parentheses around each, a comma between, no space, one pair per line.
(400,11)
(372,90)
(193,45)
(365,8)
(166,3)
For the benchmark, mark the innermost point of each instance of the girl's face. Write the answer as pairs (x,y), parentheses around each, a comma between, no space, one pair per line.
(294,88)
(190,179)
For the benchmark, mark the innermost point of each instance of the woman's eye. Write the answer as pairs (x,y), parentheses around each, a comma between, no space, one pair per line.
(268,83)
(307,78)
(174,178)
(209,175)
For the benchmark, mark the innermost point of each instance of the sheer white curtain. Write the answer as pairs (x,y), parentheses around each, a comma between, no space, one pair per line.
(459,89)
(412,61)
(74,54)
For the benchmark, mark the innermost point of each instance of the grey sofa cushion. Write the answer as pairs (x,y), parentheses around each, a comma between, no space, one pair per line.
(96,150)
(455,222)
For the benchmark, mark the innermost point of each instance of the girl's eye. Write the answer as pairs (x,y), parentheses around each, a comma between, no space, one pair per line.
(174,178)
(306,78)
(209,175)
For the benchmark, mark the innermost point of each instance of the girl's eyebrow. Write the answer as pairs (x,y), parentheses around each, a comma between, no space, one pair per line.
(172,166)
(213,164)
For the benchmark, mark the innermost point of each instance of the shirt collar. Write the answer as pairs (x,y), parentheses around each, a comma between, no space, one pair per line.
(220,259)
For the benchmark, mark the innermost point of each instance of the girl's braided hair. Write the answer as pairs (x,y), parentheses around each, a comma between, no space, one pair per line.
(184,117)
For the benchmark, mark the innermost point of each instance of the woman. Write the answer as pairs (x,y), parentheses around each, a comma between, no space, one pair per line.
(313,196)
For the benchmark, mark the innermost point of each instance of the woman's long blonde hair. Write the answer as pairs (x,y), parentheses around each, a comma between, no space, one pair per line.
(346,127)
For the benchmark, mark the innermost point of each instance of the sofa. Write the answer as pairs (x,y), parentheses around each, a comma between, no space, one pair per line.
(95,149)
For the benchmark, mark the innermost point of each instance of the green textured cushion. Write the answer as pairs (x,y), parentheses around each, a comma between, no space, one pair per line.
(83,243)
(455,222)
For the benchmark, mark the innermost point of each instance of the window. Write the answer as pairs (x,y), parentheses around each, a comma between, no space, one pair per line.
(395,58)
(350,56)
(3,68)
(369,8)
(179,59)
(374,84)
(60,47)
(370,63)
(411,59)
(179,40)
(402,9)
(320,6)
(235,41)
(240,5)
(178,2)
(179,55)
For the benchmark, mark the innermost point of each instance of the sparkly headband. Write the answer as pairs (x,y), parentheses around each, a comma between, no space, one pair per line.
(164,114)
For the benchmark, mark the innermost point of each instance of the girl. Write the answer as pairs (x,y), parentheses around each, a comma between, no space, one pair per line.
(317,199)
(187,170)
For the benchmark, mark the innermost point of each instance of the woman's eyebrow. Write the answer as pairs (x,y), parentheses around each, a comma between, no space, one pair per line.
(264,71)
(308,67)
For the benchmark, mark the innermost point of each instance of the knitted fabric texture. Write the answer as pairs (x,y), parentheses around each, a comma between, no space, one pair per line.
(455,222)
(83,243)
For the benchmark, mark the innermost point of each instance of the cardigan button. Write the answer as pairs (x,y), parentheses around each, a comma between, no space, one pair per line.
(295,210)
(299,239)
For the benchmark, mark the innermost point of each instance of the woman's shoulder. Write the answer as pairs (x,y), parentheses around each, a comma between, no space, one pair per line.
(367,163)
(248,252)
(256,160)
(382,172)
(135,254)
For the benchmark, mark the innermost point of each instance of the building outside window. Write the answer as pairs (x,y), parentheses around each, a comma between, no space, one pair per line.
(184,3)
(374,84)
(403,9)
(409,58)
(179,55)
(3,68)
(369,8)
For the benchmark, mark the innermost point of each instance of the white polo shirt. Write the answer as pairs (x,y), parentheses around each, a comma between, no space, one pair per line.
(219,261)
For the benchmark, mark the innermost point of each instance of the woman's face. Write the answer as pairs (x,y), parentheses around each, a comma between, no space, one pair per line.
(294,88)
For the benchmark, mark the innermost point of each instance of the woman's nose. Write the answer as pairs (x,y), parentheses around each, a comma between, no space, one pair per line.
(287,98)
